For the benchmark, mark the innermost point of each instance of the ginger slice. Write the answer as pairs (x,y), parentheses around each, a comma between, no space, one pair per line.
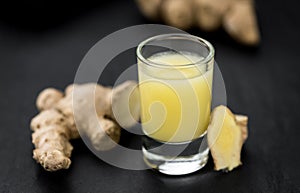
(226,134)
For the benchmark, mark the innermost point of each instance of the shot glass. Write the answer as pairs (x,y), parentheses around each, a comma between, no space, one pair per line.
(175,79)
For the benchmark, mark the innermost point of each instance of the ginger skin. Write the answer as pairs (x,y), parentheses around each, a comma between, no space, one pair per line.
(225,135)
(55,125)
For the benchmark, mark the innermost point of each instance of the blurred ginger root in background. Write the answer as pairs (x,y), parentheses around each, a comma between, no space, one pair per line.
(237,17)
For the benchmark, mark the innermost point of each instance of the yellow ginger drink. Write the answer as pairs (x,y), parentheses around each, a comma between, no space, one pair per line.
(175,89)
(175,82)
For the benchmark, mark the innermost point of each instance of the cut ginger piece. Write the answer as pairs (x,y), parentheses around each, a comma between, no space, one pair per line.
(226,134)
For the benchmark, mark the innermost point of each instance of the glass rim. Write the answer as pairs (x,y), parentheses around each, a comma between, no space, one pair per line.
(206,43)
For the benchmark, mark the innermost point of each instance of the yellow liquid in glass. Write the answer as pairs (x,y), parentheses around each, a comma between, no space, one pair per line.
(175,101)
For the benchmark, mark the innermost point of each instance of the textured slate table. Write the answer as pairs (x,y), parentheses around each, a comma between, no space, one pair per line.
(39,50)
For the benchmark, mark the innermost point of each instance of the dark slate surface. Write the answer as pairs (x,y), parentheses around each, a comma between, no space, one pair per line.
(42,44)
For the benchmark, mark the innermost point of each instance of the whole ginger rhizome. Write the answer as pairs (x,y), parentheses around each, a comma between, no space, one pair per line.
(55,126)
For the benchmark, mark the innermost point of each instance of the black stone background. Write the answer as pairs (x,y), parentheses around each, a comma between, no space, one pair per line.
(42,44)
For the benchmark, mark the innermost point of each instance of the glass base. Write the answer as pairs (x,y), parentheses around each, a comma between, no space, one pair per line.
(175,159)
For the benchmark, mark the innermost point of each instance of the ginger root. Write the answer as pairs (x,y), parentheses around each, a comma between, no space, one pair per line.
(177,13)
(53,149)
(150,8)
(47,98)
(55,126)
(209,13)
(236,16)
(240,22)
(226,134)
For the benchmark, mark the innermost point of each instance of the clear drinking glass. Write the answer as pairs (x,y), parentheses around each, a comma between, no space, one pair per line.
(175,80)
